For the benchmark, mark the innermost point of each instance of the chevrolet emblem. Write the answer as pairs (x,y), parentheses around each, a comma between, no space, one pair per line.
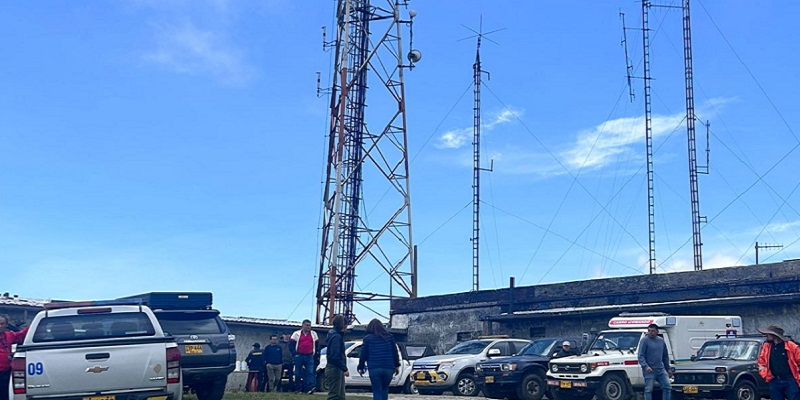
(96,369)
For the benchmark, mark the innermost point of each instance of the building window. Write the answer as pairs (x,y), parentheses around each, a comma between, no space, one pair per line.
(462,336)
(538,332)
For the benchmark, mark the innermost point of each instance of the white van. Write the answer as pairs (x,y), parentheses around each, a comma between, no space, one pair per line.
(610,368)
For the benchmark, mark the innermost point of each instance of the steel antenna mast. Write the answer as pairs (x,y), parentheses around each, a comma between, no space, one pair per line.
(357,152)
(648,135)
(477,73)
(691,139)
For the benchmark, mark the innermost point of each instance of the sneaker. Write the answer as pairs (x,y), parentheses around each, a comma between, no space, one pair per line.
(312,391)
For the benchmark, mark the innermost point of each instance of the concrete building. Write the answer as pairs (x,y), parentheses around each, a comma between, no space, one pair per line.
(760,294)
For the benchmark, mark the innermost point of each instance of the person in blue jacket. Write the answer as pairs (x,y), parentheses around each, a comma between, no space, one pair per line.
(380,355)
(336,369)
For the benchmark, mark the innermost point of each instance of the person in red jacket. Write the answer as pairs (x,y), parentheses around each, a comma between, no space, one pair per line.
(777,364)
(7,338)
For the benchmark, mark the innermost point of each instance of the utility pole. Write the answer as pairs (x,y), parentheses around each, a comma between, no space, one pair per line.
(357,153)
(766,246)
(648,129)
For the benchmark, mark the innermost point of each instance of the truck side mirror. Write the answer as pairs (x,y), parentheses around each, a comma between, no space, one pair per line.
(493,352)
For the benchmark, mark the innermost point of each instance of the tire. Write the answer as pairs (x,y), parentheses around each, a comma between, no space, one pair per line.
(322,384)
(613,387)
(744,390)
(465,385)
(213,390)
(409,387)
(532,387)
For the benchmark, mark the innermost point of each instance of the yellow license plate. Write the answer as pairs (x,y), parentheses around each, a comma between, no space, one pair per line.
(565,384)
(191,349)
(421,376)
(100,398)
(690,389)
(489,379)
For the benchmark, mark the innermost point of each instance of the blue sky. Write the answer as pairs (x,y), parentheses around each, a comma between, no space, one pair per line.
(179,145)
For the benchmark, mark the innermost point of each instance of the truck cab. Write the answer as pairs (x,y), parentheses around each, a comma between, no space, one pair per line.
(610,368)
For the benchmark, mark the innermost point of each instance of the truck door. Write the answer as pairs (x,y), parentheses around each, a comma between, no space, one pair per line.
(668,342)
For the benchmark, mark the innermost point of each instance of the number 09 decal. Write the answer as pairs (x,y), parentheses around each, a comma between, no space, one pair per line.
(35,368)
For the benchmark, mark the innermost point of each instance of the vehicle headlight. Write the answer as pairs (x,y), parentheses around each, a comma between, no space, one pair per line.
(508,367)
(584,368)
(553,367)
(721,378)
(447,365)
(478,368)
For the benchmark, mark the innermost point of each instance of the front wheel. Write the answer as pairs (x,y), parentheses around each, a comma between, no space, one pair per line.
(465,385)
(532,387)
(409,387)
(743,390)
(613,387)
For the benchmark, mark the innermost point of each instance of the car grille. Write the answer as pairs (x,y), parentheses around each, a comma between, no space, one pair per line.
(490,367)
(691,379)
(568,369)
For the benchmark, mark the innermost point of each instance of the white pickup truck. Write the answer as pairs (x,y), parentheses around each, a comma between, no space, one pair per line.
(96,351)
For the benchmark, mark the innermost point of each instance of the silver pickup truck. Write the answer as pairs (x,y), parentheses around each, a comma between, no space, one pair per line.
(96,351)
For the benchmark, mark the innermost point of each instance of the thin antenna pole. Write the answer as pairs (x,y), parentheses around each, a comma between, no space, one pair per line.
(476,159)
(691,138)
(648,129)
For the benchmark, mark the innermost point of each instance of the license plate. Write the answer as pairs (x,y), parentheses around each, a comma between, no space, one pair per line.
(100,398)
(421,376)
(191,349)
(565,384)
(489,379)
(690,389)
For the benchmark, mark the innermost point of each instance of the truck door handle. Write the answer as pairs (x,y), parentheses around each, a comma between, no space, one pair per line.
(98,356)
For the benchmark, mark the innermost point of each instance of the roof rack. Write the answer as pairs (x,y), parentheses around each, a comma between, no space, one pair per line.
(68,304)
(175,300)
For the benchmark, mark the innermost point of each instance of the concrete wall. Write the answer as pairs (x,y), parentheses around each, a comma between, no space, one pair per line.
(760,294)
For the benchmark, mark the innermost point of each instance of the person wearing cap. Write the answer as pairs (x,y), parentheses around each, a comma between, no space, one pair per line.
(654,360)
(255,364)
(777,364)
(566,350)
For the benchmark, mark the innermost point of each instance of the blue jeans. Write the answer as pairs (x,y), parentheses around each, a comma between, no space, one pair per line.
(662,377)
(304,378)
(380,378)
(780,389)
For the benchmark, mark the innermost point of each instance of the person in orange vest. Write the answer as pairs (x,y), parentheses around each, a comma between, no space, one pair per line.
(777,364)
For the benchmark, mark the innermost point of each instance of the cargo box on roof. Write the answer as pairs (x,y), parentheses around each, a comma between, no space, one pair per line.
(175,300)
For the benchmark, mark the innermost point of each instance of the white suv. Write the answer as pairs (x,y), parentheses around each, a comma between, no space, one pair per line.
(455,370)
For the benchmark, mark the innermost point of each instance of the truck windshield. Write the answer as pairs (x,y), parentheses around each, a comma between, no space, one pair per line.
(729,349)
(539,347)
(616,341)
(93,326)
(471,347)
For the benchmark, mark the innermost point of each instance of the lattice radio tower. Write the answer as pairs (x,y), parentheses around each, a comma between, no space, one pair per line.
(375,149)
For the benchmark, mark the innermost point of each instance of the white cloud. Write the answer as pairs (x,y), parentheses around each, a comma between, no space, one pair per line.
(780,227)
(459,137)
(186,49)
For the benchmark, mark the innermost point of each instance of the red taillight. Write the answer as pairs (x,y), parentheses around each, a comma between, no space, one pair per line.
(173,365)
(18,375)
(631,362)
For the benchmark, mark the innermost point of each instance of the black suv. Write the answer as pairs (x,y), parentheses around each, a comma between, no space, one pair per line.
(724,368)
(207,348)
(522,376)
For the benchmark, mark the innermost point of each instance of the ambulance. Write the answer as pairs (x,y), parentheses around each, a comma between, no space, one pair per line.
(609,368)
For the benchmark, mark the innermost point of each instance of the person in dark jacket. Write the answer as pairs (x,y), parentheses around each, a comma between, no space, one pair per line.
(255,364)
(336,369)
(566,350)
(654,360)
(287,347)
(273,360)
(380,355)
